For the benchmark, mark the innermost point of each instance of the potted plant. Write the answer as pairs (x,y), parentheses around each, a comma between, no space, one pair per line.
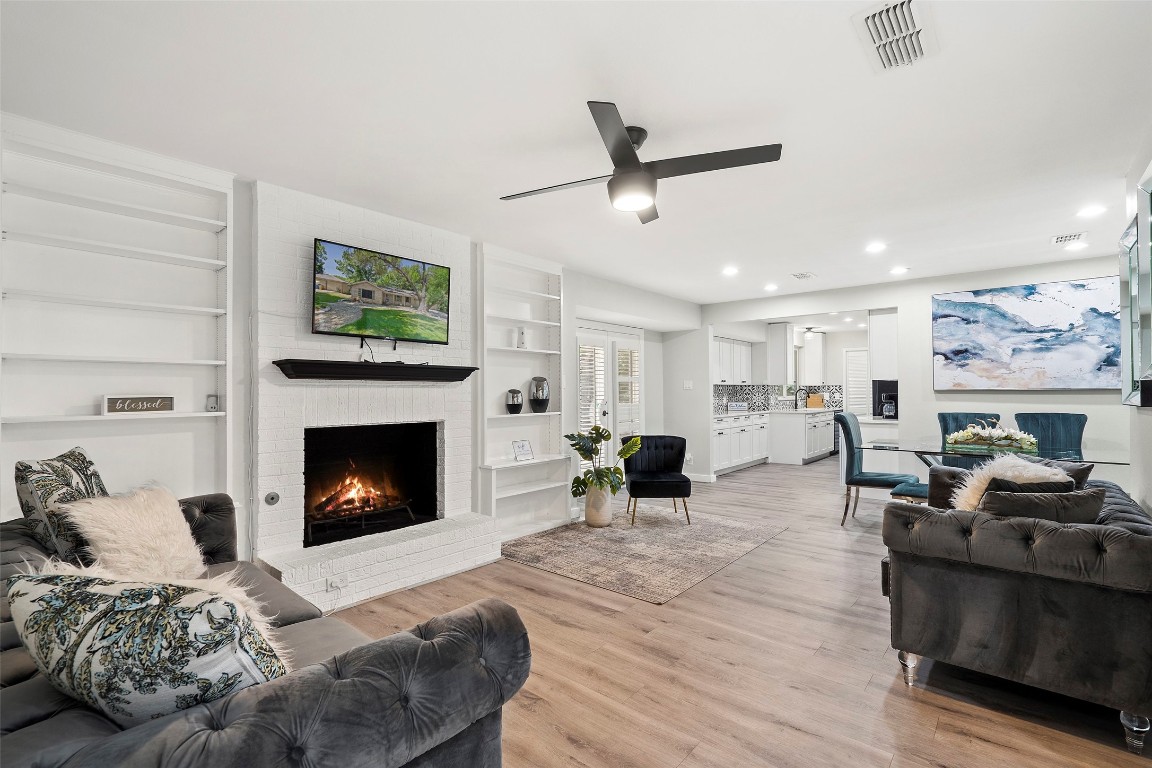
(597,481)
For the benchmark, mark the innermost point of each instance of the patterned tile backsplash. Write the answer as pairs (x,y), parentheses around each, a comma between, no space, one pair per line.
(770,397)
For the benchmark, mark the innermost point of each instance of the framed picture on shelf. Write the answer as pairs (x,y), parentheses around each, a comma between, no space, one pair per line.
(522,450)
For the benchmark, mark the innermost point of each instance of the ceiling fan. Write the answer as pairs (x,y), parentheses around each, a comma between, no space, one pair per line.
(632,184)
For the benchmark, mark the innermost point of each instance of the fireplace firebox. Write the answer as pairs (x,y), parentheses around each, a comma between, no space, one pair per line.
(368,479)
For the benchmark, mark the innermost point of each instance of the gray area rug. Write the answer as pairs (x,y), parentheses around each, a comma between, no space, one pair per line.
(654,561)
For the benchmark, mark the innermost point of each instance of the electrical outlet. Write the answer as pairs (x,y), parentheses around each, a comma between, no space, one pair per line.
(687,383)
(687,458)
(337,582)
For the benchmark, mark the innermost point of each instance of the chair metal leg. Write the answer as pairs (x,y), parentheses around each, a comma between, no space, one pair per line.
(685,503)
(908,662)
(1135,728)
(847,501)
(633,500)
(856,502)
(675,508)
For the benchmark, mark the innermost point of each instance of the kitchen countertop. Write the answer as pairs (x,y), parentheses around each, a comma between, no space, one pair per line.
(877,420)
(772,413)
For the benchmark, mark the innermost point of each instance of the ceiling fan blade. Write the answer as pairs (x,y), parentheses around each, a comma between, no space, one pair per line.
(615,137)
(558,187)
(713,161)
(648,214)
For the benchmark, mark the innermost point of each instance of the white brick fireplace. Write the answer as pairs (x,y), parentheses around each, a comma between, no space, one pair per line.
(286,223)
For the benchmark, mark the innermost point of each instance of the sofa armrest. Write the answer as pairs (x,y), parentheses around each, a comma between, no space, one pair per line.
(942,484)
(379,705)
(212,518)
(1094,554)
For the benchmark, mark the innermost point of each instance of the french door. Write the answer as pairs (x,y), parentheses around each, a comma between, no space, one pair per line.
(608,383)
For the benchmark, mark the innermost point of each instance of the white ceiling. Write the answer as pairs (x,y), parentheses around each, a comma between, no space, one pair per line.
(431,111)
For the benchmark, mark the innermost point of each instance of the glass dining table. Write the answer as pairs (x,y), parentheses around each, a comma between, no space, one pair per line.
(931,451)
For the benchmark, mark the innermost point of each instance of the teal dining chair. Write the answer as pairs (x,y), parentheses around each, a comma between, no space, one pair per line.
(855,477)
(1058,435)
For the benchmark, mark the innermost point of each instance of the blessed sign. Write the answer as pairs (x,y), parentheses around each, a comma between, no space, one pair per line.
(137,404)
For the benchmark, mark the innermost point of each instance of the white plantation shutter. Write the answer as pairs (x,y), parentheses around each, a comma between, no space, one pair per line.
(627,391)
(857,384)
(591,388)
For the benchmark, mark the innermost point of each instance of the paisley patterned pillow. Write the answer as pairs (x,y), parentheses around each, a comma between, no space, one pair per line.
(141,650)
(43,486)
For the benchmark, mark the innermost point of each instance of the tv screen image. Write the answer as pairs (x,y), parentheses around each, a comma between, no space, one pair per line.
(360,292)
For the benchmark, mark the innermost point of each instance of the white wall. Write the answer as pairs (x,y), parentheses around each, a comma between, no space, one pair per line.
(591,297)
(1109,422)
(652,377)
(834,346)
(687,411)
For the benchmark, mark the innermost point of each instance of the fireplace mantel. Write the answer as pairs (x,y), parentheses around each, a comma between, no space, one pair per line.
(347,370)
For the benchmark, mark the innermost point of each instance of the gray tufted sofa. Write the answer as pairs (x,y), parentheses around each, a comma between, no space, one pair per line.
(1066,608)
(427,698)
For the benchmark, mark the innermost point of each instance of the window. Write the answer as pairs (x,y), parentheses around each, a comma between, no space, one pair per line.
(366,293)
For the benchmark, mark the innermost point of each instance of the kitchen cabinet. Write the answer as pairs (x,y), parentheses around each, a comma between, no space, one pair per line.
(731,362)
(739,440)
(802,436)
(812,361)
(883,355)
(781,354)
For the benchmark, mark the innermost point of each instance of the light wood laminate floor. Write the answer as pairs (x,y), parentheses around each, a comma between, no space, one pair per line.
(780,659)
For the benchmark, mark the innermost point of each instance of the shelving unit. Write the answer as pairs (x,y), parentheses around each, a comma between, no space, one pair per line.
(521,293)
(116,279)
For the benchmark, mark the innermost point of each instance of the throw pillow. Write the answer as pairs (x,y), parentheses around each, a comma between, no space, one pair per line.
(1077,470)
(1007,466)
(141,650)
(141,534)
(998,484)
(1075,507)
(43,486)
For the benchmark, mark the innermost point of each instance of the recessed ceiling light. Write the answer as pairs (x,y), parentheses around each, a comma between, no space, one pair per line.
(898,271)
(1090,211)
(847,319)
(833,313)
(862,325)
(771,287)
(875,246)
(730,271)
(1079,245)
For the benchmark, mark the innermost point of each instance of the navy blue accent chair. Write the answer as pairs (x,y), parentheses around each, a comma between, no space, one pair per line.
(854,475)
(954,421)
(656,471)
(1058,435)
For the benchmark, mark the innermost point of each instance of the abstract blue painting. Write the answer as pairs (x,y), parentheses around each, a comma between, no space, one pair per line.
(1063,335)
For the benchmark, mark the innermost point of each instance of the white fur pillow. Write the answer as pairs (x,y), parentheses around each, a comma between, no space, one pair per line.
(1006,467)
(141,534)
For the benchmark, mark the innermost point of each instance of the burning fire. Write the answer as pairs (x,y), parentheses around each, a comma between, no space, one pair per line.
(353,496)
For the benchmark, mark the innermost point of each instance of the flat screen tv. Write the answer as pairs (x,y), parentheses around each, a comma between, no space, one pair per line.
(365,293)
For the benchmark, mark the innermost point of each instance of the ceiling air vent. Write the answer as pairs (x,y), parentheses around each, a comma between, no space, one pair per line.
(1066,240)
(895,34)
(803,275)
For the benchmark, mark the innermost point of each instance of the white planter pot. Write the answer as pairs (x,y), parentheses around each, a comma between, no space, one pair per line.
(598,508)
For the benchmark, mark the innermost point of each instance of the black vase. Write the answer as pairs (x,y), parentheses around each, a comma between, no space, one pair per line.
(539,394)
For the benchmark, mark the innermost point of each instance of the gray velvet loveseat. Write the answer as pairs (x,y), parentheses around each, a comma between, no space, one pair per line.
(1062,607)
(427,698)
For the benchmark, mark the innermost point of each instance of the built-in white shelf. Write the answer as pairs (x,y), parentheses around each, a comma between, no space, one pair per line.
(104,359)
(96,301)
(116,207)
(520,267)
(110,417)
(525,351)
(525,415)
(112,249)
(515,529)
(533,462)
(522,321)
(80,159)
(519,489)
(522,293)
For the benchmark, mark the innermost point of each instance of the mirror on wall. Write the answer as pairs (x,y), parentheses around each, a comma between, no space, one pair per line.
(1136,301)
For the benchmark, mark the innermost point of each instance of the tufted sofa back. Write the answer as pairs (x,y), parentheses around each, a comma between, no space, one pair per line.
(212,518)
(658,453)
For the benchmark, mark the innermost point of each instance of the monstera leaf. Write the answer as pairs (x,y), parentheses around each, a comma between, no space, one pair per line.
(629,448)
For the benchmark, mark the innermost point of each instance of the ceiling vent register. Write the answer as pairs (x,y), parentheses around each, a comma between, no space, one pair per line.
(803,275)
(1074,237)
(894,35)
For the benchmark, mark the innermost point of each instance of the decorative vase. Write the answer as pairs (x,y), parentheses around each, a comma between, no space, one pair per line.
(597,508)
(514,401)
(539,394)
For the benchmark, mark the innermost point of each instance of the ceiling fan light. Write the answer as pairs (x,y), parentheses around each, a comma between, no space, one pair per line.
(632,190)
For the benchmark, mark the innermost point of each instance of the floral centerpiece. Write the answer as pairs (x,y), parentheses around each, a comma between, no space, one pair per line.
(990,437)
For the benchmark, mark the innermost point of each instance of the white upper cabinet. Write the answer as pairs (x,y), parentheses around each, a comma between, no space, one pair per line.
(812,361)
(882,346)
(781,354)
(731,362)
